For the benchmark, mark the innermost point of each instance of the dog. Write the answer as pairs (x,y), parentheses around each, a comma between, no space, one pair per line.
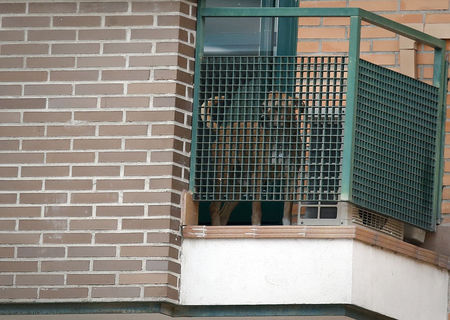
(248,152)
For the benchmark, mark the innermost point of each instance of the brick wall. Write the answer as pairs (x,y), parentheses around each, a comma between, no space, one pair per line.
(95,111)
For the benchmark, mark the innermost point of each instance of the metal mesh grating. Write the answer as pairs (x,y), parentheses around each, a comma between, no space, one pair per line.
(395,132)
(377,222)
(270,128)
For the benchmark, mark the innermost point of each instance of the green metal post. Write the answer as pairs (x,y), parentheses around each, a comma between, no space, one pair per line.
(195,107)
(439,80)
(350,108)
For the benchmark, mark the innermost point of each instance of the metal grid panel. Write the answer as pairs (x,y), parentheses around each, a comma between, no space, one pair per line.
(270,128)
(394,152)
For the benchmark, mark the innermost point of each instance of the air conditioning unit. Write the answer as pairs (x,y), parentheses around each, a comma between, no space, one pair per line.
(344,213)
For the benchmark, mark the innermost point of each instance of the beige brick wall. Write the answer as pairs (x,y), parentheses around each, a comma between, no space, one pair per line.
(95,111)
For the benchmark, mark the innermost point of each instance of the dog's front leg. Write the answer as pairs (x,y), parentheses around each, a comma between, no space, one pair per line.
(214,211)
(287,211)
(256,213)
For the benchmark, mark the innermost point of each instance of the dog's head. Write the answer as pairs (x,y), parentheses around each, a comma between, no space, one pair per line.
(281,110)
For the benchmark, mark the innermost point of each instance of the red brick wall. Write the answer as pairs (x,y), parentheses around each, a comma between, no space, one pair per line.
(95,109)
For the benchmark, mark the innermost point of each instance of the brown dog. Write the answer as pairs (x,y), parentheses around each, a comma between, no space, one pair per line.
(260,145)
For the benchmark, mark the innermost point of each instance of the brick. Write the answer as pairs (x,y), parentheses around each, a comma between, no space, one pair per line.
(159,291)
(167,74)
(437,17)
(38,224)
(128,156)
(51,35)
(41,252)
(42,198)
(406,17)
(39,279)
(123,130)
(145,197)
(77,21)
(50,62)
(9,90)
(23,76)
(100,34)
(155,61)
(96,144)
(47,116)
(97,224)
(47,171)
(143,278)
(8,198)
(8,63)
(25,22)
(156,34)
(89,7)
(177,21)
(172,102)
(99,89)
(12,8)
(63,293)
(135,20)
(157,6)
(91,252)
(162,265)
(125,75)
(169,156)
(7,225)
(117,265)
(149,144)
(81,75)
(96,62)
(18,185)
(65,265)
(148,170)
(125,102)
(156,88)
(385,45)
(72,102)
(52,7)
(384,5)
(150,116)
(9,145)
(335,46)
(68,185)
(137,224)
(380,59)
(67,238)
(102,116)
(67,211)
(424,5)
(119,238)
(144,251)
(119,211)
(48,89)
(21,131)
(24,49)
(22,157)
(321,32)
(376,32)
(98,197)
(18,293)
(116,292)
(8,252)
(9,212)
(70,131)
(8,172)
(100,171)
(18,266)
(173,130)
(13,35)
(158,238)
(120,184)
(90,279)
(70,157)
(76,48)
(128,47)
(45,144)
(6,280)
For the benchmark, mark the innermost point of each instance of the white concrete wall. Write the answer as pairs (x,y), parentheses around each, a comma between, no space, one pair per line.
(309,271)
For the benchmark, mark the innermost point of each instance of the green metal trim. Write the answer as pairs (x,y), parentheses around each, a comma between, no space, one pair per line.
(173,310)
(327,12)
(350,112)
(200,35)
(440,80)
(401,29)
(287,32)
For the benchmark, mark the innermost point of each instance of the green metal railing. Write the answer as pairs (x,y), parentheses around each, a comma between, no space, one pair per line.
(319,128)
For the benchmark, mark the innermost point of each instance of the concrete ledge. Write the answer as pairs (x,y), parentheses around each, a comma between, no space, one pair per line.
(358,233)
